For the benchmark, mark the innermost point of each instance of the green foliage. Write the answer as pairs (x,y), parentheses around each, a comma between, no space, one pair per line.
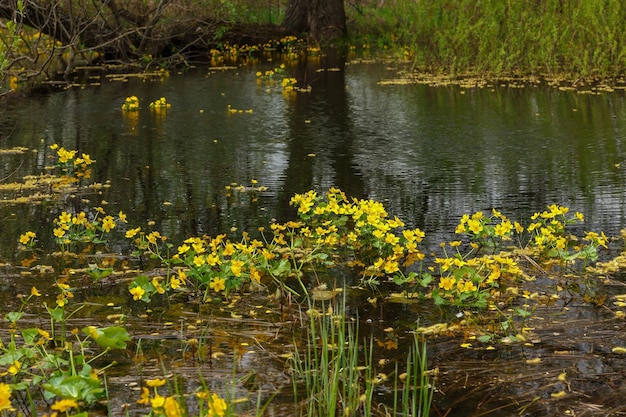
(577,38)
(46,364)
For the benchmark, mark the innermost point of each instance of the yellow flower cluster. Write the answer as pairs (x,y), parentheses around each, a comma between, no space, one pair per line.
(160,104)
(69,161)
(370,231)
(78,228)
(483,228)
(289,84)
(212,405)
(131,104)
(550,238)
(27,238)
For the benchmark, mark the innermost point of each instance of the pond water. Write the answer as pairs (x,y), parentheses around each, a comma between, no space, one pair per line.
(430,154)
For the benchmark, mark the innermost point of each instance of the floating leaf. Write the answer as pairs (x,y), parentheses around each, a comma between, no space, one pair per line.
(113,337)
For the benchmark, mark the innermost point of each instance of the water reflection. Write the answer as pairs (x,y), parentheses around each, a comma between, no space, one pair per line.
(431,154)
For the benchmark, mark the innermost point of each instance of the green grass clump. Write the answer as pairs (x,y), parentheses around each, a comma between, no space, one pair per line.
(582,38)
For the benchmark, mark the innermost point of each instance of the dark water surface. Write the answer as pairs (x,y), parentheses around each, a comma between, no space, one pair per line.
(430,154)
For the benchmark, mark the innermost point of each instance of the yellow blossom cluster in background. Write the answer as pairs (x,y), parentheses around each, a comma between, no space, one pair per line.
(210,404)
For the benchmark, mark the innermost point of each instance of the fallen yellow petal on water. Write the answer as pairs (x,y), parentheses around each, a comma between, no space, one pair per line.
(562,376)
(533,361)
(559,394)
(217,355)
(618,349)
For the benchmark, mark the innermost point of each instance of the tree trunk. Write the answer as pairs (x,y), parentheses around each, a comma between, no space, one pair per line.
(323,20)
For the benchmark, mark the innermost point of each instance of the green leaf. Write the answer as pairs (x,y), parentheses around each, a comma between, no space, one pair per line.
(282,269)
(76,387)
(98,273)
(29,336)
(13,316)
(113,337)
(484,338)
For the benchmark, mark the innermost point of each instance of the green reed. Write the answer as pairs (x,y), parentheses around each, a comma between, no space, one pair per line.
(416,395)
(328,367)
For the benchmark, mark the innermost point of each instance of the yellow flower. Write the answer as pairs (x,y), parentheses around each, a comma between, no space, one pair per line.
(137,293)
(65,217)
(64,405)
(391,267)
(61,300)
(198,247)
(213,259)
(157,401)
(391,238)
(65,155)
(475,226)
(157,285)
(235,267)
(446,283)
(217,406)
(87,159)
(35,292)
(26,237)
(80,218)
(218,284)
(108,223)
(255,275)
(198,260)
(465,286)
(132,232)
(175,283)
(122,217)
(229,249)
(172,407)
(5,397)
(157,382)
(44,334)
(153,236)
(145,396)
(15,368)
(183,248)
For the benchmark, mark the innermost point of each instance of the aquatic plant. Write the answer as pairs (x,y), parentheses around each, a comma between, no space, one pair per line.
(44,364)
(484,283)
(131,104)
(160,104)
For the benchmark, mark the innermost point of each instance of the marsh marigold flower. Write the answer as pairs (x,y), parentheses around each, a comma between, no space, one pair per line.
(64,405)
(27,237)
(157,382)
(173,408)
(218,284)
(5,397)
(447,283)
(137,293)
